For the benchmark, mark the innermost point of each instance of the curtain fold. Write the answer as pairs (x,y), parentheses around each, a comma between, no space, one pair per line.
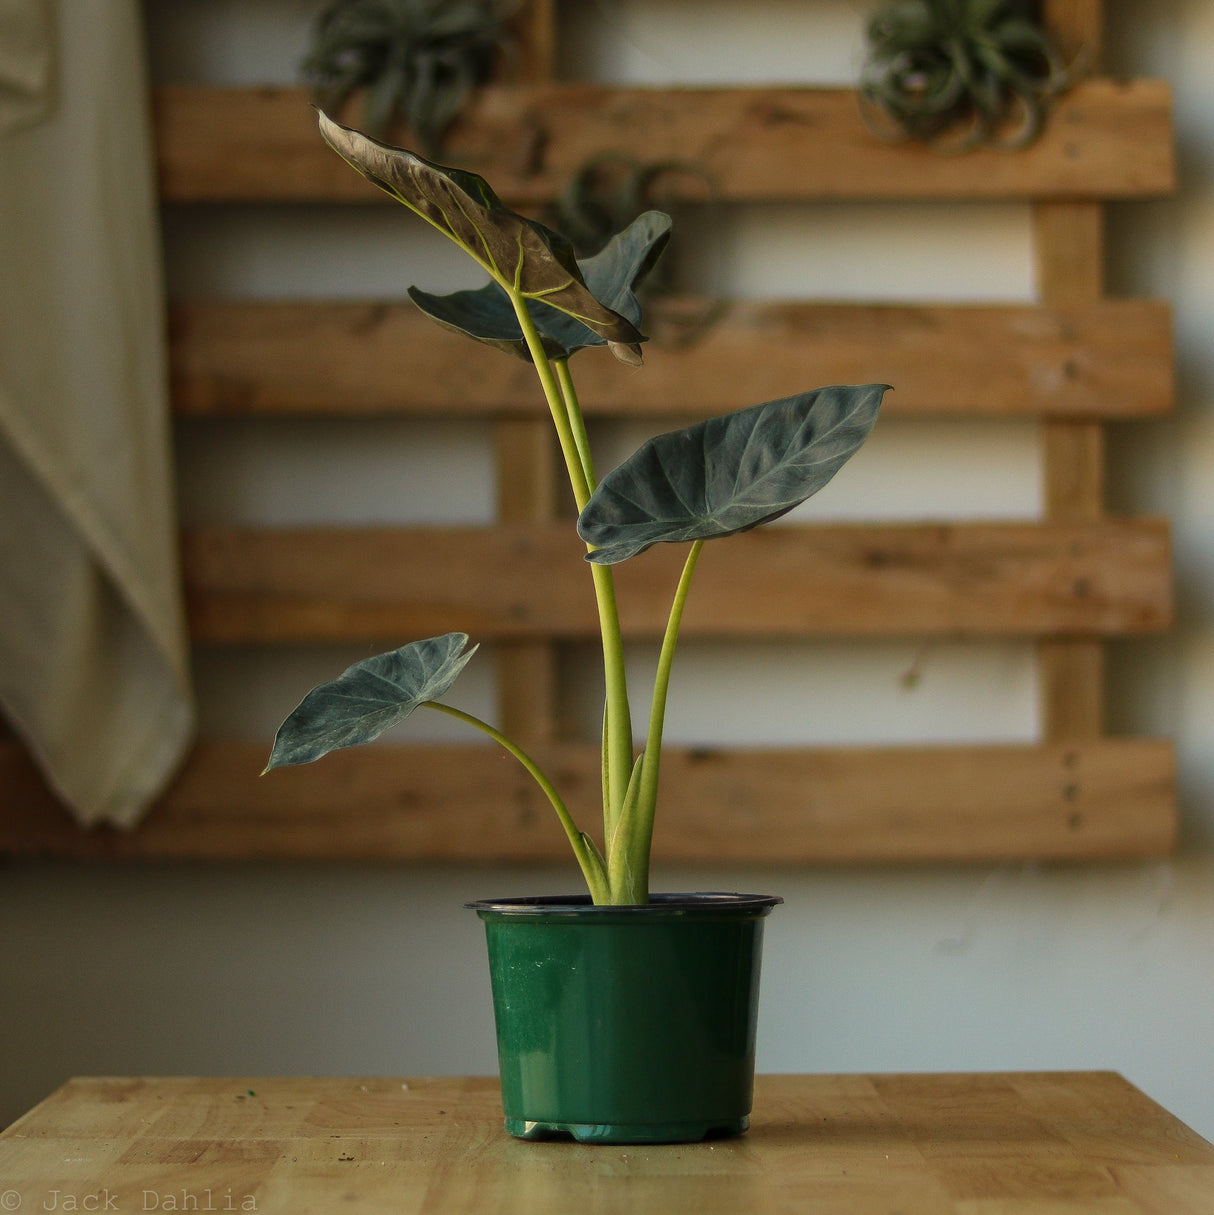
(27,60)
(94,659)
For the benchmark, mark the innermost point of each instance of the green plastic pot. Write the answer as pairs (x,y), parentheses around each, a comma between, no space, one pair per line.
(626,1024)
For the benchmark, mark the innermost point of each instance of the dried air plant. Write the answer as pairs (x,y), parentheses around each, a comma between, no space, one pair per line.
(961,73)
(611,190)
(417,60)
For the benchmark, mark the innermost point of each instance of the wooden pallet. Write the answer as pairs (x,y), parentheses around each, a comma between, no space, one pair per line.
(1074,360)
(756,144)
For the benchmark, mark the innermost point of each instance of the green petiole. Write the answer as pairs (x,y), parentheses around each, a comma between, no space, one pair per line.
(588,856)
(571,432)
(638,830)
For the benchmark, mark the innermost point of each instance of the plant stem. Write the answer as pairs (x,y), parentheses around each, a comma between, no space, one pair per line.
(617,715)
(587,856)
(556,401)
(577,423)
(638,832)
(571,431)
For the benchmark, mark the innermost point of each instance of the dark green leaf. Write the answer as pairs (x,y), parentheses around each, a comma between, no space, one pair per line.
(362,702)
(518,253)
(727,474)
(487,315)
(612,275)
(618,269)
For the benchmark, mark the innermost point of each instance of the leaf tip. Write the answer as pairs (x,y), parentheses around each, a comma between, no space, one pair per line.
(628,353)
(328,126)
(611,554)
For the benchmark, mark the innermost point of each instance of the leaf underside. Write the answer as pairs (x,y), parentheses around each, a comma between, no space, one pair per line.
(519,253)
(727,474)
(368,698)
(612,276)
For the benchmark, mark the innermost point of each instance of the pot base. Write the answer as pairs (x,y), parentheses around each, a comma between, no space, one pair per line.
(626,1132)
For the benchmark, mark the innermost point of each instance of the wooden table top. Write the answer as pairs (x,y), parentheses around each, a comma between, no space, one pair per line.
(1014,1144)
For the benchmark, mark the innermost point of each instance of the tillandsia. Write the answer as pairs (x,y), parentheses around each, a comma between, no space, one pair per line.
(961,73)
(415,60)
(612,189)
(722,476)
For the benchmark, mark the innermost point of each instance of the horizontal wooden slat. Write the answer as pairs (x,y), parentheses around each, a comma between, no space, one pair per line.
(515,581)
(1107,360)
(1104,140)
(1108,798)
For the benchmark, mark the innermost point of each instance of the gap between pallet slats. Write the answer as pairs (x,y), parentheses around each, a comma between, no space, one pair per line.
(1105,139)
(1102,359)
(1108,798)
(1005,579)
(527,674)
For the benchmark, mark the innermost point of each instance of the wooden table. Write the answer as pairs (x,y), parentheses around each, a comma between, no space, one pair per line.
(1016,1144)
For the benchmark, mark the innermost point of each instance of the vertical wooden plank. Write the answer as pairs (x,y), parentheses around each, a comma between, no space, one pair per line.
(535,31)
(527,464)
(1069,242)
(1077,27)
(1069,239)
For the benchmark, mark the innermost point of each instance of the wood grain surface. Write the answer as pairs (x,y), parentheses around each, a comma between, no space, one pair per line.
(1106,577)
(1078,1143)
(1110,798)
(1102,359)
(1105,139)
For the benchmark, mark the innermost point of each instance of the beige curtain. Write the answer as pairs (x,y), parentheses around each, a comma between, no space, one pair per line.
(26,62)
(93,655)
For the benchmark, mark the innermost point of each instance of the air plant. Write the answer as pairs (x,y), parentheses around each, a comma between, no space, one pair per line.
(611,190)
(716,478)
(961,73)
(417,60)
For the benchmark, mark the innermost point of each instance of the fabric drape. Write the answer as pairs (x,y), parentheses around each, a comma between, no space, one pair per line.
(94,668)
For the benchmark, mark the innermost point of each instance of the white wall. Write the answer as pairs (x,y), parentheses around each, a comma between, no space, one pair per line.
(337,968)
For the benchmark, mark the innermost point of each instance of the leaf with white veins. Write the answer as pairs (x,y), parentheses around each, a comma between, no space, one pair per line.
(519,253)
(612,275)
(368,698)
(729,473)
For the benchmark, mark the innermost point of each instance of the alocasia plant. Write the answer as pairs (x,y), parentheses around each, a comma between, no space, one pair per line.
(719,477)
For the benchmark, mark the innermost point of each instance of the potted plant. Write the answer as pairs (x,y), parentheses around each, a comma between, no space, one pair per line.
(622,1016)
